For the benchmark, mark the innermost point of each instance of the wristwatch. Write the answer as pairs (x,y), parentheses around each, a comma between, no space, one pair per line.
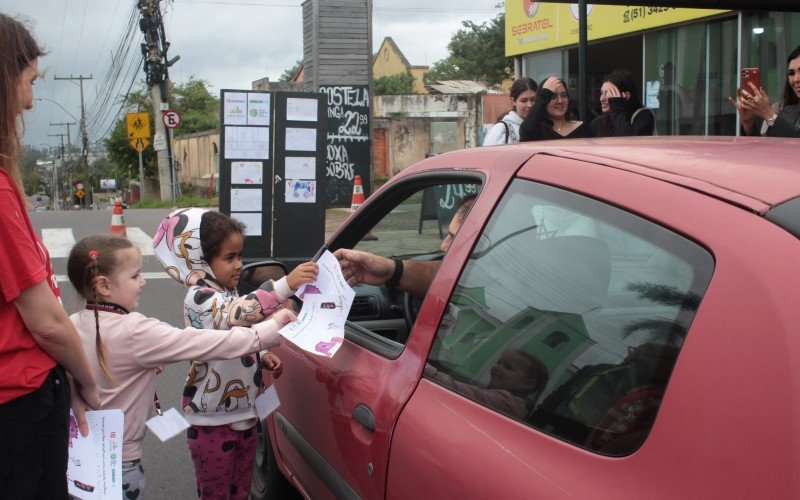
(771,120)
(397,274)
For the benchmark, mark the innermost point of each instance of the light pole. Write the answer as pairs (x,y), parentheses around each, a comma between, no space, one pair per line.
(64,152)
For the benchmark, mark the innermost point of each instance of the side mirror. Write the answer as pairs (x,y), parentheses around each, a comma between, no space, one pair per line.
(253,275)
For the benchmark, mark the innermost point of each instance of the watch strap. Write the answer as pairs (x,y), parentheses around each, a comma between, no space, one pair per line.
(397,274)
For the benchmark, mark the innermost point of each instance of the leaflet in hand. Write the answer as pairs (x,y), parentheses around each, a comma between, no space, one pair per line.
(95,461)
(319,328)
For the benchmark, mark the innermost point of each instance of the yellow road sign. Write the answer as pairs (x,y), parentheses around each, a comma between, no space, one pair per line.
(80,193)
(140,144)
(138,125)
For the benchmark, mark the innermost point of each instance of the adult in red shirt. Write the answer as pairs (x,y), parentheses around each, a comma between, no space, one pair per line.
(38,342)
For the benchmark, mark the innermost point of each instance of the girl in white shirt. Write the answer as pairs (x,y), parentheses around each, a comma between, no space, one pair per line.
(506,130)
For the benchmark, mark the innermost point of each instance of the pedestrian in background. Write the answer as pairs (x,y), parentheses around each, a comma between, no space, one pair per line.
(754,102)
(623,111)
(38,341)
(552,116)
(506,130)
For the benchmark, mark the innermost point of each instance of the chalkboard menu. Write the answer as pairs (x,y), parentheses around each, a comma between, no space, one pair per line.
(348,141)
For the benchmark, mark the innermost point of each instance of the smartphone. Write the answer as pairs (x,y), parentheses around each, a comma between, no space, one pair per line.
(751,75)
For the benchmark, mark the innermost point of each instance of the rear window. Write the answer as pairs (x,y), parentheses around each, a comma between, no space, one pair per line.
(569,317)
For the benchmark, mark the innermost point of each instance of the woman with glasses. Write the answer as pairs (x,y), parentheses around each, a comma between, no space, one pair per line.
(552,116)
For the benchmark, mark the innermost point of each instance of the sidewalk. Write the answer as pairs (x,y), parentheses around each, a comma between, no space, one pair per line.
(335,217)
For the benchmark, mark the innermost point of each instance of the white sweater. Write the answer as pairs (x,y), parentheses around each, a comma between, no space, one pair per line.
(497,134)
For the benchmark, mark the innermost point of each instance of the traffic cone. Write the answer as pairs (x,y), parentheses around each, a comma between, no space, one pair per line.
(118,221)
(358,194)
(357,201)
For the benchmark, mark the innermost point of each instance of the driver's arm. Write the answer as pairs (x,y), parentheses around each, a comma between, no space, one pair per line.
(364,267)
(418,276)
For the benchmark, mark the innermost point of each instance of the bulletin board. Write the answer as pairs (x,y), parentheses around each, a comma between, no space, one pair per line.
(300,182)
(246,165)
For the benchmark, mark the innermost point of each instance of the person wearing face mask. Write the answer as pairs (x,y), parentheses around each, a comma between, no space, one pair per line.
(623,112)
(552,117)
(754,102)
(506,130)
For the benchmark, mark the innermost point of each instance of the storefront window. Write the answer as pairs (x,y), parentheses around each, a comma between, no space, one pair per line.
(767,40)
(675,79)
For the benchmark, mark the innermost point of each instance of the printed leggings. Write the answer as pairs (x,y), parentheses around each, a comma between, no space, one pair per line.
(223,460)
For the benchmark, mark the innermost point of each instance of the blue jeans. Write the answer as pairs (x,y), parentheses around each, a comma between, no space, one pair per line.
(34,432)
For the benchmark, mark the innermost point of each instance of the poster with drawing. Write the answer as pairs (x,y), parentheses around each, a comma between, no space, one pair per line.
(94,470)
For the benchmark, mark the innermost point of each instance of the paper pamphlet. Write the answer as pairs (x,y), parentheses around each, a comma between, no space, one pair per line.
(267,403)
(168,425)
(319,328)
(94,470)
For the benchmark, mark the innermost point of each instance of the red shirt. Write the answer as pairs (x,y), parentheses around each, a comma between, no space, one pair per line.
(24,262)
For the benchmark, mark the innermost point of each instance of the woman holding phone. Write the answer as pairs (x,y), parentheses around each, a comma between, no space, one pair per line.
(752,101)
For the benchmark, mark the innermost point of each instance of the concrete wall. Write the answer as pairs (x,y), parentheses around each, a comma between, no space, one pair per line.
(197,155)
(407,120)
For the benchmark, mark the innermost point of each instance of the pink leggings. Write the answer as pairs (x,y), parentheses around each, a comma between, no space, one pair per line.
(223,461)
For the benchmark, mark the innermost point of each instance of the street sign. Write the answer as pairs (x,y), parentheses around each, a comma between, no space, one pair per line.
(80,193)
(171,118)
(138,125)
(140,144)
(159,141)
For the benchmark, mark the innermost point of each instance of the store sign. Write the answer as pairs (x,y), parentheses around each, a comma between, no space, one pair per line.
(534,26)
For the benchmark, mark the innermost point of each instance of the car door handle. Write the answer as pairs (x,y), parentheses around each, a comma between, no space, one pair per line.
(364,416)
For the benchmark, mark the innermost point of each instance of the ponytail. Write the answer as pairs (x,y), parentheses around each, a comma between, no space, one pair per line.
(98,342)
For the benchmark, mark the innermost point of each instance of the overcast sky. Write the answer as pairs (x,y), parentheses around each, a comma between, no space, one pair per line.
(229,43)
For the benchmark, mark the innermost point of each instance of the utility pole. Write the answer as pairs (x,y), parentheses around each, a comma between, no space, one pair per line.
(84,133)
(56,199)
(156,66)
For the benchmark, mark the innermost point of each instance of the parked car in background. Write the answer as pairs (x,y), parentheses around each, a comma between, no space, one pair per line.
(615,318)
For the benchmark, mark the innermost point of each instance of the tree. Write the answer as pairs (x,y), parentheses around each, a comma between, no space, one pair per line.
(199,111)
(477,52)
(289,74)
(401,83)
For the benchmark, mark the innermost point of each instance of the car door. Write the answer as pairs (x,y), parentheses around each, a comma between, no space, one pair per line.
(550,365)
(335,423)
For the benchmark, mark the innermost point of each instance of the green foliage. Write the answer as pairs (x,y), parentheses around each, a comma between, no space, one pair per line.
(401,83)
(199,111)
(477,52)
(184,201)
(33,176)
(289,74)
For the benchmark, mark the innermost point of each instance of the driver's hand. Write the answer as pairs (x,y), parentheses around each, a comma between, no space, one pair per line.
(363,267)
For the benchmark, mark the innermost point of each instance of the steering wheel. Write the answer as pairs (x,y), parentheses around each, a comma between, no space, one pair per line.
(411,305)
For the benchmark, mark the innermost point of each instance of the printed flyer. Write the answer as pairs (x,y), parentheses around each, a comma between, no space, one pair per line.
(94,470)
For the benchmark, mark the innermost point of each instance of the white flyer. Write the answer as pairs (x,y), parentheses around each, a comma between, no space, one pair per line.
(168,425)
(94,470)
(319,328)
(267,402)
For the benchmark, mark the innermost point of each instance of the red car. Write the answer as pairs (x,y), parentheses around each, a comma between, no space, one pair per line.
(615,318)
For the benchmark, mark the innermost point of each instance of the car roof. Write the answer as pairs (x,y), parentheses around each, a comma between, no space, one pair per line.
(756,173)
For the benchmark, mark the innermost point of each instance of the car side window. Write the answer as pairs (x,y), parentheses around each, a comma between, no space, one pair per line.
(412,229)
(569,317)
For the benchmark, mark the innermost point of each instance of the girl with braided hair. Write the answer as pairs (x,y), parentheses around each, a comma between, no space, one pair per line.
(126,348)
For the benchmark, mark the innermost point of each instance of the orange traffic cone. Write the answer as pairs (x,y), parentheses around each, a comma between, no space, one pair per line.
(357,201)
(358,194)
(118,221)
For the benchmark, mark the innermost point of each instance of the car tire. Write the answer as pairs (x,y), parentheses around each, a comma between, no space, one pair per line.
(268,480)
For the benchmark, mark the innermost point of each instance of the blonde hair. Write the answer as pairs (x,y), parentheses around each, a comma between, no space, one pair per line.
(90,258)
